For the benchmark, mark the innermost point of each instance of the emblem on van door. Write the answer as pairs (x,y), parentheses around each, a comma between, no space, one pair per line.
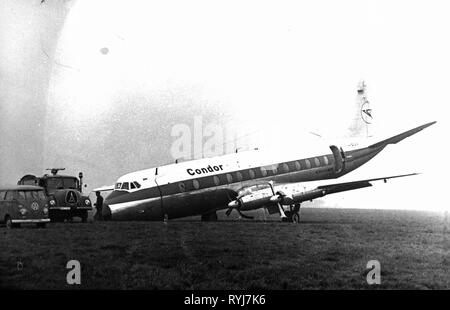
(35,206)
(71,197)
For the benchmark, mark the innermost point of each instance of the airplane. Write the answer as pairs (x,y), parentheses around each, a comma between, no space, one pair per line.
(242,181)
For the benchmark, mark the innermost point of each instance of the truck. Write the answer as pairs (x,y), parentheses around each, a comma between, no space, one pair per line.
(64,194)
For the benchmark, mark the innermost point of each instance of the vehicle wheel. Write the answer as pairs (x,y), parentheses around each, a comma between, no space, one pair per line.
(296,218)
(84,217)
(41,225)
(9,223)
(209,217)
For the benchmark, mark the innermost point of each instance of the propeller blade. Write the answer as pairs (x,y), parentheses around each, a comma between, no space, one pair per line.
(228,212)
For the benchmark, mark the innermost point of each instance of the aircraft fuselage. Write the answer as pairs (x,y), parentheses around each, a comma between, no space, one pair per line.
(212,186)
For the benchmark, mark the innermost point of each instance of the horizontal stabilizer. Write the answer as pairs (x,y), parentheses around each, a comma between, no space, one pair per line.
(401,136)
(104,188)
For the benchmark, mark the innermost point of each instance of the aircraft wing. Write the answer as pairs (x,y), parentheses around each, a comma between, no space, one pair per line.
(347,186)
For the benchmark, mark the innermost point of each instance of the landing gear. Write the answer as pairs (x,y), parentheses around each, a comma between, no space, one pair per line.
(293,215)
(9,223)
(209,217)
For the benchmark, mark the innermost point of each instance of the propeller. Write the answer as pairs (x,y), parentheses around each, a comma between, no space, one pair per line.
(236,204)
(277,198)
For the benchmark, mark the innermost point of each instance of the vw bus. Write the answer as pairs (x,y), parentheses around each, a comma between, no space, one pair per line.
(23,204)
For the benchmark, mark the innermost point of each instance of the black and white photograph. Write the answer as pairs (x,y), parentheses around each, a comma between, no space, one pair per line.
(224,146)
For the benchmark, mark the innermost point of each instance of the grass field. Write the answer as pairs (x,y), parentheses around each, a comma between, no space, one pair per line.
(329,249)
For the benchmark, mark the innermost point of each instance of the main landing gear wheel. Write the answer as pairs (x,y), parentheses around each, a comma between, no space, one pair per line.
(296,218)
(9,223)
(209,217)
(293,215)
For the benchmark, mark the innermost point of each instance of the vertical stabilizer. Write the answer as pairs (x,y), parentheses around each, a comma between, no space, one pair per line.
(363,118)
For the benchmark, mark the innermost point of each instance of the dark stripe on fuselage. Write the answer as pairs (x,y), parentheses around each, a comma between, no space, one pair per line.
(284,172)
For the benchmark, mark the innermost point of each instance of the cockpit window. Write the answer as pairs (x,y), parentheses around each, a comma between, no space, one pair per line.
(137,184)
(118,185)
(125,185)
(132,185)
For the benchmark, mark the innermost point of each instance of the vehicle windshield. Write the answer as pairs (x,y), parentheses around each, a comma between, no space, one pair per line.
(61,183)
(32,195)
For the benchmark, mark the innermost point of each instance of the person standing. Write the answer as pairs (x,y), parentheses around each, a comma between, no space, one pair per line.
(98,205)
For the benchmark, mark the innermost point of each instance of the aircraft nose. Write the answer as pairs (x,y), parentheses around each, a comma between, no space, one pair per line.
(106,212)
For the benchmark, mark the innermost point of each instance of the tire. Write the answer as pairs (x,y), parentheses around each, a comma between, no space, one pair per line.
(84,217)
(209,217)
(55,217)
(8,222)
(296,217)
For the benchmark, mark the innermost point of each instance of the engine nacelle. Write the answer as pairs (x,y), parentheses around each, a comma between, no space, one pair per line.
(255,199)
(308,195)
(262,195)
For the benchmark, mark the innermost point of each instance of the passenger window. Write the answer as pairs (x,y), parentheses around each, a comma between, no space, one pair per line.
(317,162)
(182,187)
(308,164)
(251,173)
(132,186)
(263,171)
(285,168)
(125,185)
(274,169)
(216,180)
(196,184)
(297,165)
(325,160)
(2,195)
(229,178)
(239,176)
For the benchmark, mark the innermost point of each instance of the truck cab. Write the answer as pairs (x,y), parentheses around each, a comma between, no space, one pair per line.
(64,194)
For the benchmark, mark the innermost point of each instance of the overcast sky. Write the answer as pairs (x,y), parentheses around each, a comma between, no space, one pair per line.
(97,86)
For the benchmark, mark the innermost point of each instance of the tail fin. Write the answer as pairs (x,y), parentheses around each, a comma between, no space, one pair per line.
(360,127)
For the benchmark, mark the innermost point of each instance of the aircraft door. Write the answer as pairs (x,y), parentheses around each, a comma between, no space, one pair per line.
(339,158)
(157,210)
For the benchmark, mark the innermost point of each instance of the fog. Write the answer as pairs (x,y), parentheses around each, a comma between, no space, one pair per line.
(98,86)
